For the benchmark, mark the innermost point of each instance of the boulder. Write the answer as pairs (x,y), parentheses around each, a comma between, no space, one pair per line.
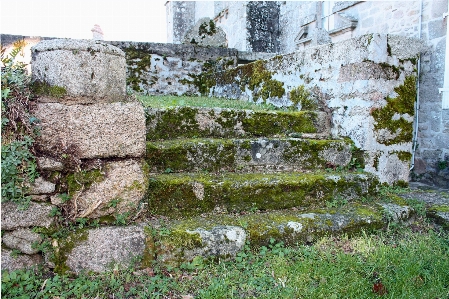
(13,262)
(102,130)
(41,186)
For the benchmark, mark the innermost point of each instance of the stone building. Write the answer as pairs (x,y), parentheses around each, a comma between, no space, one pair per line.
(287,26)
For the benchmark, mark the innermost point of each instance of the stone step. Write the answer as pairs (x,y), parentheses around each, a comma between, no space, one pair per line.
(197,122)
(250,155)
(180,195)
(226,235)
(214,235)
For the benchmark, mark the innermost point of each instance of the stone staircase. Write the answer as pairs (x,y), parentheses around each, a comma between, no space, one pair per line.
(222,177)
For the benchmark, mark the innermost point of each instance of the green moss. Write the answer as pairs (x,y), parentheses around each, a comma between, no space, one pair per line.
(403,156)
(253,75)
(83,179)
(138,61)
(174,195)
(266,123)
(65,247)
(401,129)
(308,153)
(44,89)
(301,96)
(182,122)
(192,155)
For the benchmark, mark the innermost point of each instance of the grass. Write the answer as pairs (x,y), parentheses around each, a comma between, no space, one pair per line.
(407,262)
(206,102)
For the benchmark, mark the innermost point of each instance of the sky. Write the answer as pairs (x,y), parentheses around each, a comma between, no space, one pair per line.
(120,20)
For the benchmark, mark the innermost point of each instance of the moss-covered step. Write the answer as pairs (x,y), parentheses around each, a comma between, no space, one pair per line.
(249,155)
(225,235)
(178,195)
(192,122)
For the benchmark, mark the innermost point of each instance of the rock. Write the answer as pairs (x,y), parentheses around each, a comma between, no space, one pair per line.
(107,247)
(225,241)
(12,263)
(49,164)
(205,33)
(35,215)
(93,131)
(397,212)
(41,186)
(83,68)
(220,241)
(123,187)
(22,239)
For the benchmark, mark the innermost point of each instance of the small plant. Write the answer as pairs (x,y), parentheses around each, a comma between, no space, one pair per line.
(18,164)
(336,202)
(443,164)
(301,97)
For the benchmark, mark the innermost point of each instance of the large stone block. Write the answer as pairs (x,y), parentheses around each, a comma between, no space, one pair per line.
(84,68)
(102,130)
(123,186)
(106,247)
(35,215)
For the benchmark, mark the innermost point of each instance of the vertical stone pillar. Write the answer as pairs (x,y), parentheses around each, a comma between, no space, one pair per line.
(90,126)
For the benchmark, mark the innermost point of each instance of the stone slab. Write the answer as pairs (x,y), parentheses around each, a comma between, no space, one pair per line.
(22,239)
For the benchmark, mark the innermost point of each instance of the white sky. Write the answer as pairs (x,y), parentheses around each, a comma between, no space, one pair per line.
(120,20)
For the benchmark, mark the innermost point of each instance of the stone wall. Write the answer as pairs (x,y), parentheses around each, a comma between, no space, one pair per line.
(90,155)
(298,22)
(155,68)
(366,84)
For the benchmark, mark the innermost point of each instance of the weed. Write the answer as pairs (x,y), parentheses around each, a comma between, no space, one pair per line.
(336,202)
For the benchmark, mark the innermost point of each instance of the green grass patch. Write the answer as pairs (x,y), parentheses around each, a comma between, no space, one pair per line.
(205,102)
(403,263)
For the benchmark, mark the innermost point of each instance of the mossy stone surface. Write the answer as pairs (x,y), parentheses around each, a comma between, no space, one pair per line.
(185,195)
(390,117)
(191,122)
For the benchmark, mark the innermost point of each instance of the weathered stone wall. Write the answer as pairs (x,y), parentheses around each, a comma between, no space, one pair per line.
(90,149)
(298,22)
(152,68)
(367,84)
(165,69)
